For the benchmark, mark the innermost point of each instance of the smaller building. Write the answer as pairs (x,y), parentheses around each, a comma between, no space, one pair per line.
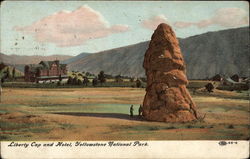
(45,70)
(229,84)
(235,78)
(217,77)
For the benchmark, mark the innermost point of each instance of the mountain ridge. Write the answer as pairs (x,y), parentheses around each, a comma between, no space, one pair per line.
(220,52)
(14,59)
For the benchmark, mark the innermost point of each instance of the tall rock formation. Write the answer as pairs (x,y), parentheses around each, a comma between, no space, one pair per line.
(167,98)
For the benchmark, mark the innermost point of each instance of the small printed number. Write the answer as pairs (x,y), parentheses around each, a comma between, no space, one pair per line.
(223,143)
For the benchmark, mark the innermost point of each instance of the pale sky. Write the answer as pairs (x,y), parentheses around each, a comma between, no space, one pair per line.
(70,28)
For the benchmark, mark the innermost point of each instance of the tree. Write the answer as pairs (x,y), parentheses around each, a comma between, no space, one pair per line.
(2,66)
(95,82)
(4,76)
(2,80)
(70,80)
(75,80)
(14,73)
(138,83)
(209,87)
(87,74)
(8,73)
(235,78)
(118,78)
(79,82)
(85,81)
(101,77)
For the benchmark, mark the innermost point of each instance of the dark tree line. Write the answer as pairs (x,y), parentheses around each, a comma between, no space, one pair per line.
(101,77)
(7,73)
(77,81)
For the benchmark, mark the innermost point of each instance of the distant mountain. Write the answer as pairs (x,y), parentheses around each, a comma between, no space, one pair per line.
(222,52)
(75,58)
(124,61)
(20,59)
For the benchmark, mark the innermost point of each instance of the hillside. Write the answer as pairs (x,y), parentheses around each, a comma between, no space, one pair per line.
(75,58)
(124,61)
(224,52)
(221,52)
(20,59)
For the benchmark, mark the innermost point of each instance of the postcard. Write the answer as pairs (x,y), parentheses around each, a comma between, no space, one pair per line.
(124,79)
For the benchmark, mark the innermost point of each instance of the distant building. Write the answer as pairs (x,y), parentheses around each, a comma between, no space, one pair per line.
(45,70)
(229,84)
(217,77)
(236,78)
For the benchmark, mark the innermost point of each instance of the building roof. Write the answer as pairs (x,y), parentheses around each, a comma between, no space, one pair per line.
(34,67)
(230,80)
(45,65)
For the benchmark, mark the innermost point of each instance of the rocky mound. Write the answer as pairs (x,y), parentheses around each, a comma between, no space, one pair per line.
(167,98)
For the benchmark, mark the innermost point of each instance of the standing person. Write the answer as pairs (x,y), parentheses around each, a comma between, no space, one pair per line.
(1,90)
(131,111)
(140,110)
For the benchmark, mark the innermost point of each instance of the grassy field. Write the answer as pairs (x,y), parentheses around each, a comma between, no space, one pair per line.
(103,114)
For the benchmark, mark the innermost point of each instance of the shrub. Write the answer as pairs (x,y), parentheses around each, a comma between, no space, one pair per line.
(95,82)
(189,126)
(75,80)
(70,80)
(101,77)
(230,126)
(153,128)
(209,87)
(79,82)
(85,81)
(211,126)
(138,83)
(170,127)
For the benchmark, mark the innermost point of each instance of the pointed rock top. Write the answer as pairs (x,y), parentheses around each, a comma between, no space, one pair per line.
(164,26)
(164,53)
(164,32)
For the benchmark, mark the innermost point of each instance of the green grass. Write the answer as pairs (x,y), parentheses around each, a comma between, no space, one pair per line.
(85,107)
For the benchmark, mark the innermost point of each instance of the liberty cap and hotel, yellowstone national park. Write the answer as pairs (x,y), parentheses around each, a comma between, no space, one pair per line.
(124,71)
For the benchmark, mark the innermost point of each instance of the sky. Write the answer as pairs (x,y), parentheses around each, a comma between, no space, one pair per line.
(70,28)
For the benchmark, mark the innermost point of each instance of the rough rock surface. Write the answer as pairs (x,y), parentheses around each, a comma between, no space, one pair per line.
(167,98)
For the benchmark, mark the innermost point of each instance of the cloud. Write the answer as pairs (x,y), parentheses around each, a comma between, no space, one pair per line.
(153,22)
(225,17)
(72,28)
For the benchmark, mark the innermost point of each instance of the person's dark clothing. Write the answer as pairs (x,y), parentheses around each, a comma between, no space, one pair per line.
(131,111)
(140,110)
